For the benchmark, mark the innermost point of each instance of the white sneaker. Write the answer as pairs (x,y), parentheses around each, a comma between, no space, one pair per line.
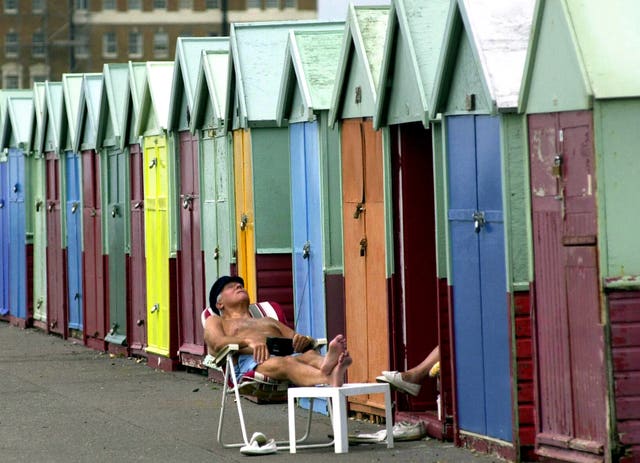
(395,379)
(408,431)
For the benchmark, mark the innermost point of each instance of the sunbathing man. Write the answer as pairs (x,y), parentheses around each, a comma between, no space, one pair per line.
(235,325)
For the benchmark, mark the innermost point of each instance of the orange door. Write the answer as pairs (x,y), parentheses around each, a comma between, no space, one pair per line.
(366,311)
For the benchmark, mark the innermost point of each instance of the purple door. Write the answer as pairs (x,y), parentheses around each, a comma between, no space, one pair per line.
(571,402)
(136,274)
(56,259)
(191,293)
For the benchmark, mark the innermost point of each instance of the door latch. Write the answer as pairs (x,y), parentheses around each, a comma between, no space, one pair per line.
(113,329)
(74,207)
(138,205)
(216,254)
(1,203)
(556,170)
(359,210)
(306,250)
(15,188)
(187,200)
(478,221)
(51,206)
(114,211)
(38,205)
(153,163)
(155,308)
(243,221)
(363,247)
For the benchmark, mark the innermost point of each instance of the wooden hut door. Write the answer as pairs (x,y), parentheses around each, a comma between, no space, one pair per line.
(366,307)
(157,244)
(18,236)
(4,238)
(56,265)
(245,225)
(415,314)
(115,191)
(572,412)
(95,321)
(39,241)
(74,240)
(191,292)
(306,214)
(480,314)
(137,276)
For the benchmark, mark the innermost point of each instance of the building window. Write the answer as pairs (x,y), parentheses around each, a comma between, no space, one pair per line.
(212,4)
(290,4)
(11,6)
(109,45)
(37,6)
(108,5)
(159,4)
(185,5)
(254,3)
(37,44)
(11,44)
(81,4)
(135,44)
(11,81)
(81,45)
(272,3)
(134,5)
(160,45)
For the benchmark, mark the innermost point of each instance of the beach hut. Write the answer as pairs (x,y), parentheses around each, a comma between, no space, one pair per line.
(580,92)
(95,274)
(208,118)
(55,124)
(310,67)
(4,227)
(419,285)
(15,136)
(192,293)
(38,207)
(159,215)
(261,158)
(135,233)
(110,144)
(72,226)
(476,92)
(366,231)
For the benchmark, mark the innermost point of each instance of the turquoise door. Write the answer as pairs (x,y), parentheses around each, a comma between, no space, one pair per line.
(480,313)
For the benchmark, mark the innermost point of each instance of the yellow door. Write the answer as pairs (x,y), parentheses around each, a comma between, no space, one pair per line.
(156,218)
(245,226)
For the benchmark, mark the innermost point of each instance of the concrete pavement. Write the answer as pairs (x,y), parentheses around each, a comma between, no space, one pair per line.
(63,402)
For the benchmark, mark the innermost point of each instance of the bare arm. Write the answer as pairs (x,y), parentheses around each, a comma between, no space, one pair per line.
(300,342)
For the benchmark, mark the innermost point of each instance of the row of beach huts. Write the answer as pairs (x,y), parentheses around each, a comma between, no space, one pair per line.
(452,173)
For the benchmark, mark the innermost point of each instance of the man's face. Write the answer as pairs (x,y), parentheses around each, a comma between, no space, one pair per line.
(233,293)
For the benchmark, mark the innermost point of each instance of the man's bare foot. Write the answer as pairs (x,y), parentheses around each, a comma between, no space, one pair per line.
(337,375)
(337,346)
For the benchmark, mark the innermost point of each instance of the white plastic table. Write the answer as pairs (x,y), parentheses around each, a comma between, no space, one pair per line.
(338,396)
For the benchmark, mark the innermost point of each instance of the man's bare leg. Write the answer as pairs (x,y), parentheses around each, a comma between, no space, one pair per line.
(418,373)
(337,375)
(291,369)
(337,346)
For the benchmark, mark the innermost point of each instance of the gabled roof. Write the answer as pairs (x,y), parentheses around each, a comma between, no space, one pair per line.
(17,119)
(114,102)
(186,69)
(606,41)
(56,117)
(421,25)
(311,62)
(154,97)
(38,117)
(364,36)
(89,111)
(211,86)
(257,55)
(72,91)
(499,33)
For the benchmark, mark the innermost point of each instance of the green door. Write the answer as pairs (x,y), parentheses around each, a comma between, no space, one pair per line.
(115,216)
(39,241)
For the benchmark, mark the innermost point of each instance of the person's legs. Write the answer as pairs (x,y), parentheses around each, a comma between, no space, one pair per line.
(325,363)
(295,369)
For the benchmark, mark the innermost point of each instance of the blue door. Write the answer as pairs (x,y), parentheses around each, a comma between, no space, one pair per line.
(17,236)
(309,295)
(4,238)
(73,213)
(480,313)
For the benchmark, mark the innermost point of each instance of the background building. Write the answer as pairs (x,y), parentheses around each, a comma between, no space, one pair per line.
(41,40)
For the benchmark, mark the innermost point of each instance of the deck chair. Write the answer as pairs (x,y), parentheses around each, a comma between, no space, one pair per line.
(254,384)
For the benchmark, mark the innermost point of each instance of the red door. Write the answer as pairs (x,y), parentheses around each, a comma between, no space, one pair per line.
(136,268)
(571,402)
(94,274)
(191,293)
(415,312)
(56,262)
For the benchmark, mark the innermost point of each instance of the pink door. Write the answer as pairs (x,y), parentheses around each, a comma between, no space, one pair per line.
(569,339)
(191,293)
